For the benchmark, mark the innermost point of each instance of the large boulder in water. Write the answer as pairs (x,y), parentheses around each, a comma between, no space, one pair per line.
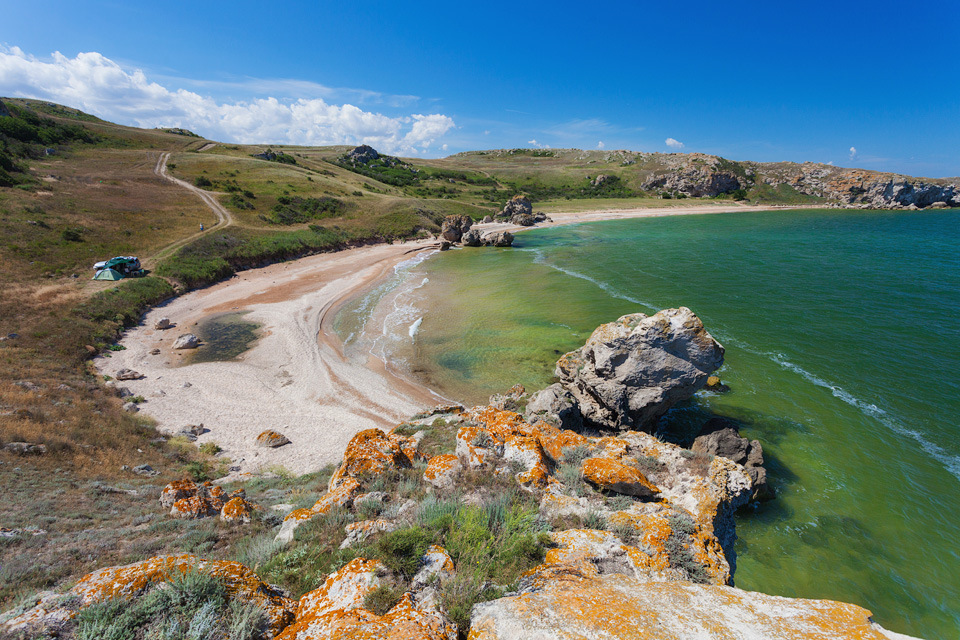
(454,227)
(721,437)
(630,372)
(498,239)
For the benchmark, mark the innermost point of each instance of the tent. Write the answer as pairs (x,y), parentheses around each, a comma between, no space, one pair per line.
(108,274)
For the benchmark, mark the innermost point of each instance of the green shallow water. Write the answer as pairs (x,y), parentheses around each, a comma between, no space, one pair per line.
(843,348)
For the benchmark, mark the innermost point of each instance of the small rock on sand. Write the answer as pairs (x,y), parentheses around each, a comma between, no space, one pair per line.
(273,439)
(162,323)
(187,341)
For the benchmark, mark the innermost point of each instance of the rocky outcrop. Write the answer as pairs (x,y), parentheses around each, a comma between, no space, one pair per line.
(498,239)
(189,500)
(523,219)
(454,227)
(516,205)
(578,599)
(369,453)
(611,475)
(272,439)
(557,406)
(630,372)
(720,437)
(697,176)
(336,610)
(186,341)
(134,580)
(362,154)
(441,470)
(471,238)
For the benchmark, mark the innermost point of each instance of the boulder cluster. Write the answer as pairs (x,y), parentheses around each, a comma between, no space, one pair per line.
(459,229)
(188,500)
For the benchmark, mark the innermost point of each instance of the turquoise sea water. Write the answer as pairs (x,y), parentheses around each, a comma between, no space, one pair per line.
(843,352)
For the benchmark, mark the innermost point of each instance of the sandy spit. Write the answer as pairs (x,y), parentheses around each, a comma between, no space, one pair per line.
(295,379)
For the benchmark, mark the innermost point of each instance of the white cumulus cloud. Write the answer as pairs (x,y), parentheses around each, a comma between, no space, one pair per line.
(96,84)
(538,145)
(673,144)
(600,145)
(853,153)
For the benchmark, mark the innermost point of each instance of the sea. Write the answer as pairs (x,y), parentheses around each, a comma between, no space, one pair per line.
(842,337)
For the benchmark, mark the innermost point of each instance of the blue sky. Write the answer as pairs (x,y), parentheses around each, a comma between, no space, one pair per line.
(862,84)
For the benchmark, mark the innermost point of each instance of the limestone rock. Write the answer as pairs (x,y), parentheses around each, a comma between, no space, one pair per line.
(372,452)
(360,531)
(557,406)
(616,476)
(340,496)
(362,154)
(186,341)
(471,238)
(272,439)
(487,219)
(435,566)
(237,509)
(162,323)
(441,470)
(335,610)
(523,219)
(187,499)
(128,374)
(130,407)
(516,204)
(454,227)
(574,600)
(133,580)
(630,372)
(720,437)
(498,239)
(445,245)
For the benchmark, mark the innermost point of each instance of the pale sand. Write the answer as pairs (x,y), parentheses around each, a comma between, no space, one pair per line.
(295,379)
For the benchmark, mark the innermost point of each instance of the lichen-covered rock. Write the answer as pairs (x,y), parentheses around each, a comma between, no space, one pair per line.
(335,610)
(340,496)
(190,500)
(360,531)
(492,436)
(128,581)
(435,566)
(186,341)
(237,509)
(372,452)
(574,601)
(630,372)
(441,470)
(272,439)
(616,476)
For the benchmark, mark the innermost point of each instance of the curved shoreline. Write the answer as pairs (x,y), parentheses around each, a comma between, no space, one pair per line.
(295,379)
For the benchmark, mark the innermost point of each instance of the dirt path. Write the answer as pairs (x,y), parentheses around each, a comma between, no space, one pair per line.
(209,198)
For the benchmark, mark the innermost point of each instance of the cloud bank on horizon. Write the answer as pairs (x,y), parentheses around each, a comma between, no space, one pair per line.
(98,85)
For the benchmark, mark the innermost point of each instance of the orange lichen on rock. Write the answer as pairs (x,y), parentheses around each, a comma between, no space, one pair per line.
(272,439)
(615,476)
(237,509)
(372,452)
(441,470)
(177,490)
(128,581)
(340,496)
(567,601)
(207,501)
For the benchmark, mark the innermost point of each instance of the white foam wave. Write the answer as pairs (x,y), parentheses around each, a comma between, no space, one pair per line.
(950,462)
(415,327)
(539,258)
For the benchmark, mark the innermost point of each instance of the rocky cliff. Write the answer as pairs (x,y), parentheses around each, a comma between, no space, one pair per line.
(478,523)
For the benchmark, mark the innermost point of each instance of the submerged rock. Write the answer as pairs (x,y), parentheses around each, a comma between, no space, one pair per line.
(630,372)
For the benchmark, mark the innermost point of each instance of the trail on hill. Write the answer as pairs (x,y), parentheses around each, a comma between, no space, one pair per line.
(224,217)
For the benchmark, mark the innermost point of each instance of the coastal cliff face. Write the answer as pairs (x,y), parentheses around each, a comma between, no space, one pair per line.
(698,175)
(480,523)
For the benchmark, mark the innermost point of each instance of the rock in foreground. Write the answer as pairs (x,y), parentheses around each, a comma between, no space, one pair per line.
(575,600)
(630,372)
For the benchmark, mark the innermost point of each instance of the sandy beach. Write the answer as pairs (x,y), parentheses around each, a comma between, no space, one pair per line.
(295,379)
